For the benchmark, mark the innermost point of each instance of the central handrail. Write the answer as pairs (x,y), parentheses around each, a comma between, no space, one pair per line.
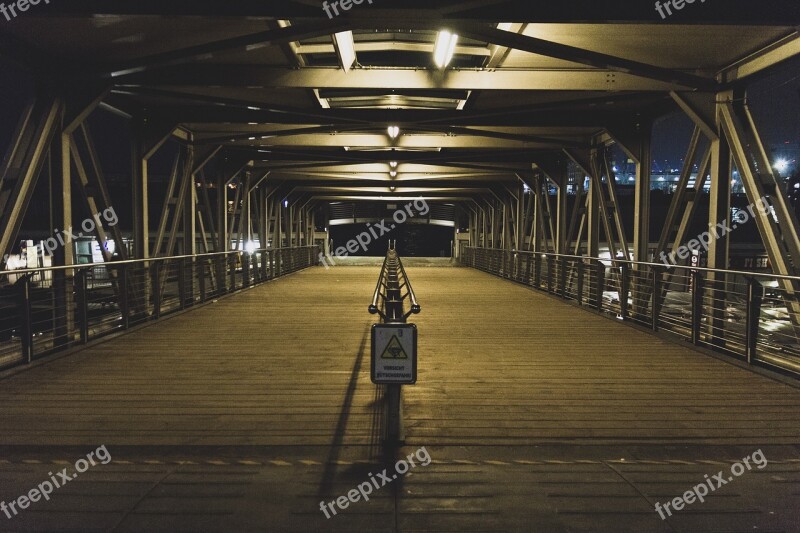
(388,299)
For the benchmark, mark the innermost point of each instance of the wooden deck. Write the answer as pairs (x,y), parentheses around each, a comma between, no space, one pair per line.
(287,363)
(245,414)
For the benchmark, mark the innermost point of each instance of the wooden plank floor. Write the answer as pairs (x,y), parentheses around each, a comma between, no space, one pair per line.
(287,363)
(502,364)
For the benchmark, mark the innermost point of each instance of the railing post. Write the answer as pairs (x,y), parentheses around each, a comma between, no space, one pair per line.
(124,304)
(549,261)
(26,318)
(656,307)
(537,271)
(562,277)
(201,278)
(245,270)
(623,291)
(581,270)
(697,306)
(155,279)
(600,273)
(755,296)
(222,274)
(264,265)
(528,268)
(232,258)
(83,305)
(181,283)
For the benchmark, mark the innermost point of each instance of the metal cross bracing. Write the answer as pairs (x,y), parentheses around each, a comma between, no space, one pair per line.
(265,125)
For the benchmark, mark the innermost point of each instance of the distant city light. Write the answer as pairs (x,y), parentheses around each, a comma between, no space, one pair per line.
(781,165)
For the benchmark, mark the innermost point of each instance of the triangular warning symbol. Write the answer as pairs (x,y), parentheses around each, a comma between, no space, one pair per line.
(394,350)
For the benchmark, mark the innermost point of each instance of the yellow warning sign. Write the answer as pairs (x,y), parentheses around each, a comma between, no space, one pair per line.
(394,350)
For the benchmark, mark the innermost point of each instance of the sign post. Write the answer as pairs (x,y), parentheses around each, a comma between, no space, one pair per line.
(394,363)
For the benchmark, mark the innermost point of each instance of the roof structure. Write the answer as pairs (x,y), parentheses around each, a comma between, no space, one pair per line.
(266,82)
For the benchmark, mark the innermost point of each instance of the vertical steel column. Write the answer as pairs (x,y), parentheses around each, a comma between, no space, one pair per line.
(561,179)
(141,206)
(641,226)
(63,286)
(190,229)
(719,212)
(593,218)
(223,245)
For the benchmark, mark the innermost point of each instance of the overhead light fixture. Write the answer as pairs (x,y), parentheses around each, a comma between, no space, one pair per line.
(393,164)
(345,49)
(394,131)
(393,173)
(445,48)
(392,188)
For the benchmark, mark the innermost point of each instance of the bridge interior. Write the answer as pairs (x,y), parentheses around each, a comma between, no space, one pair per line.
(193,197)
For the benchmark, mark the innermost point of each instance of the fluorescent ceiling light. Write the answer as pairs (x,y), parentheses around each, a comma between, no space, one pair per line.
(345,49)
(393,131)
(445,48)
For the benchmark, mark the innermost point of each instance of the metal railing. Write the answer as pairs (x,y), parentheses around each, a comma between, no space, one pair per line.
(52,309)
(752,316)
(388,302)
(392,291)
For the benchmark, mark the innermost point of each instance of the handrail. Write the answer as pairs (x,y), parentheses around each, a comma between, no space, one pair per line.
(373,308)
(415,307)
(664,266)
(126,262)
(50,309)
(732,311)
(392,271)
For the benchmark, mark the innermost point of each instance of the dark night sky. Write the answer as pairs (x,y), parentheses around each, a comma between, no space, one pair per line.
(774,102)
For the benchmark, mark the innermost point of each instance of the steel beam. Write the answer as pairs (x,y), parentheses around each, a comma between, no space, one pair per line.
(577,79)
(24,163)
